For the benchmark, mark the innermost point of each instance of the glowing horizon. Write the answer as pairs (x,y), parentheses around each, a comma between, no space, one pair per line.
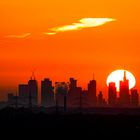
(63,39)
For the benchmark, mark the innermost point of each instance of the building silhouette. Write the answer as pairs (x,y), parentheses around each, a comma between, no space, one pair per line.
(33,92)
(47,93)
(91,93)
(61,91)
(112,94)
(23,90)
(101,100)
(134,98)
(124,91)
(85,100)
(69,95)
(74,93)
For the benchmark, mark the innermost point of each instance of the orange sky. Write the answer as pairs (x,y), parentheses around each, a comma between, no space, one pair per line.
(77,53)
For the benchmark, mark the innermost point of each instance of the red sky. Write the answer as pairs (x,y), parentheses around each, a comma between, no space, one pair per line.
(76,54)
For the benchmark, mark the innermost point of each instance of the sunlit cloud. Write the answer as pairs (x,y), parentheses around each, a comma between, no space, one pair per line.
(50,33)
(18,36)
(81,24)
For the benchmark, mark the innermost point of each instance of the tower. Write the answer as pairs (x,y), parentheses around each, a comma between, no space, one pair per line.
(47,93)
(112,94)
(134,98)
(33,91)
(23,94)
(61,90)
(91,94)
(74,93)
(124,91)
(100,98)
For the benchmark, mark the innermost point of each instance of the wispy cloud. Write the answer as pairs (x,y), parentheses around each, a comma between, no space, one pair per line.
(18,36)
(50,33)
(81,24)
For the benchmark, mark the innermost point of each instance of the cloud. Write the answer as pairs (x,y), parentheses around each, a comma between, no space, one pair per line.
(18,36)
(50,33)
(81,24)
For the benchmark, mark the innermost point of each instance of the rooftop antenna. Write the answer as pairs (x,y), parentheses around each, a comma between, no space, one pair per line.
(33,75)
(124,78)
(124,74)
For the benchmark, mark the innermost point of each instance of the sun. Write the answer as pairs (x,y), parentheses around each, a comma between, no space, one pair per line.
(117,76)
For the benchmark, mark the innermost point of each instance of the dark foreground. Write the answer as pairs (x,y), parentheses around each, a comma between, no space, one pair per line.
(25,118)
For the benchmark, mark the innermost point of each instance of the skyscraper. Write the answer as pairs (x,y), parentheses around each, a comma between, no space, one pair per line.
(112,94)
(61,90)
(23,91)
(73,83)
(74,93)
(134,97)
(47,93)
(124,91)
(101,100)
(91,94)
(33,92)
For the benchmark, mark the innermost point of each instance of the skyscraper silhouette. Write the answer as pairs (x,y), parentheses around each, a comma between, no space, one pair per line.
(73,83)
(61,90)
(91,94)
(134,98)
(112,94)
(23,91)
(100,99)
(47,93)
(33,91)
(124,91)
(74,93)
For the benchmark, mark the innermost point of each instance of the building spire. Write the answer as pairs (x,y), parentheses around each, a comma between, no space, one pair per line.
(33,75)
(124,78)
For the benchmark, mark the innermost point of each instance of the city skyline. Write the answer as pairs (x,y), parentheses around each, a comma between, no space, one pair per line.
(78,51)
(70,64)
(105,90)
(69,94)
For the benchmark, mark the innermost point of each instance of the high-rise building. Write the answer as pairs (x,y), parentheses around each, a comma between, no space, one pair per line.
(73,83)
(61,90)
(134,97)
(33,92)
(23,91)
(74,93)
(112,94)
(124,91)
(101,102)
(85,99)
(47,93)
(91,94)
(100,99)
